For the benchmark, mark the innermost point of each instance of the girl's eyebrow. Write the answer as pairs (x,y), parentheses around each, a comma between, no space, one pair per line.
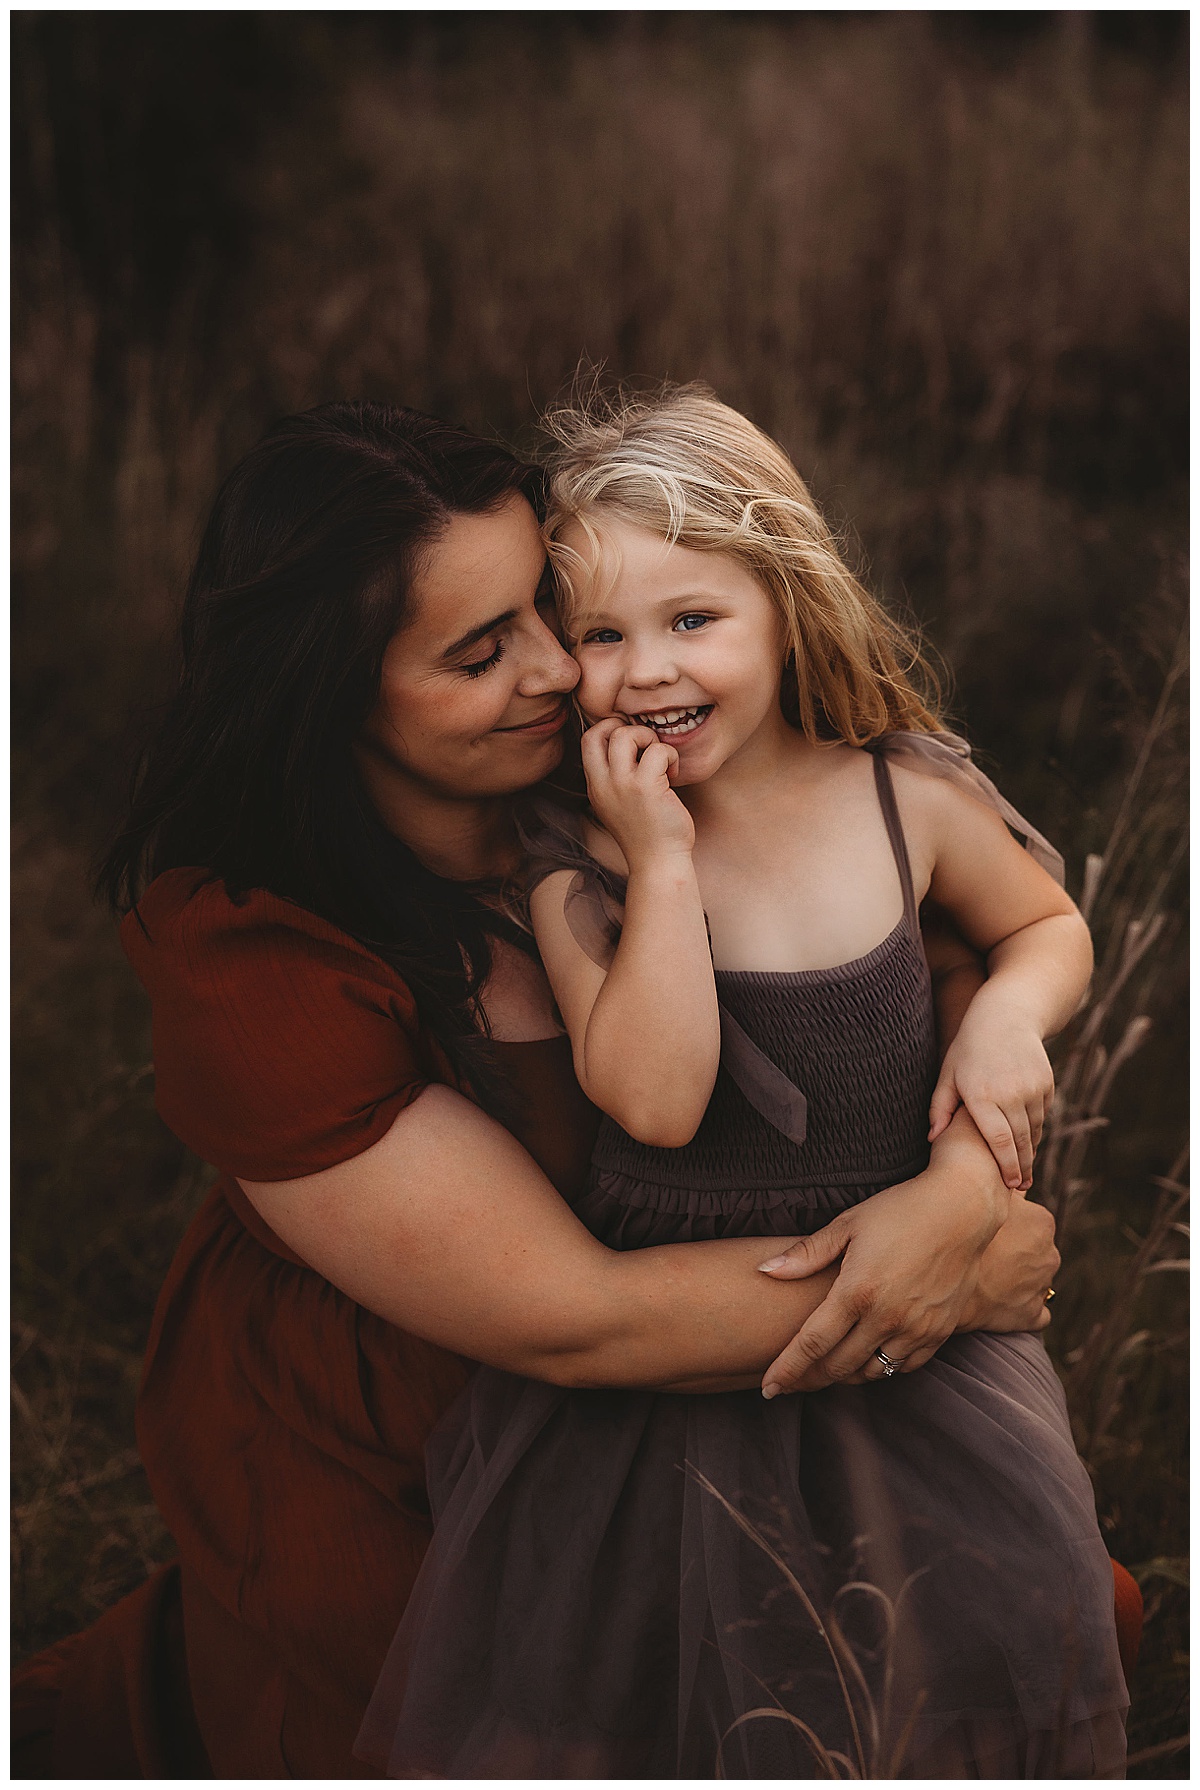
(677,599)
(599,617)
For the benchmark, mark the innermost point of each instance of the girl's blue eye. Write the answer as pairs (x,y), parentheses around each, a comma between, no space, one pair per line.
(482,665)
(687,624)
(601,637)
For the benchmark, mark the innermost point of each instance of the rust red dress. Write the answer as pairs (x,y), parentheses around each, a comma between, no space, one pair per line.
(282,1426)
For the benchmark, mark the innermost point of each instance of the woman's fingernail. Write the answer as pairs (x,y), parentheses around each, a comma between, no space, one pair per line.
(776,1261)
(770,1389)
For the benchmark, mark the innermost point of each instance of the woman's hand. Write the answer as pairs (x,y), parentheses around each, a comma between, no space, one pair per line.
(1015,1274)
(628,778)
(911,1260)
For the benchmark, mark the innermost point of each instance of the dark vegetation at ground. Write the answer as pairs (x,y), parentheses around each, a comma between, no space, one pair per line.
(942,257)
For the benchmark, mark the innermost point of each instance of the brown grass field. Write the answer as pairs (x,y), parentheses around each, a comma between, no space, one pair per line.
(942,258)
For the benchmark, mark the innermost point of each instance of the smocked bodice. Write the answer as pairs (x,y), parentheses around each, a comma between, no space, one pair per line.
(858,1040)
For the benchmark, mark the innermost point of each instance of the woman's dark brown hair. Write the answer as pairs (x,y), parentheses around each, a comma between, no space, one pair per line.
(301,580)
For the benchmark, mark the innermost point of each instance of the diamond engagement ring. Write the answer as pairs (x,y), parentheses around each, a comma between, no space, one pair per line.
(889,1366)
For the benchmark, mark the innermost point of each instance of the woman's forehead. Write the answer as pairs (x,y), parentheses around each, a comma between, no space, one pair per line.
(477,565)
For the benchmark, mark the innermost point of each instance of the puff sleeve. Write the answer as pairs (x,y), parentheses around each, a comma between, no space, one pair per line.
(281,1045)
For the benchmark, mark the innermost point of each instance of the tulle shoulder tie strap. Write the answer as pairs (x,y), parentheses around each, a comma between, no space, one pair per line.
(551,836)
(948,755)
(761,1081)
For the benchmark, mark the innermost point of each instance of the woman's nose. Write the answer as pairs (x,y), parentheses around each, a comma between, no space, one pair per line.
(550,667)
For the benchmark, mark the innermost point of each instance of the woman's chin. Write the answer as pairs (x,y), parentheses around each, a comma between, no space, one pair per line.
(536,762)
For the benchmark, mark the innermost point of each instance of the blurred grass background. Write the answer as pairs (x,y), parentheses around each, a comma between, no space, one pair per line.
(942,257)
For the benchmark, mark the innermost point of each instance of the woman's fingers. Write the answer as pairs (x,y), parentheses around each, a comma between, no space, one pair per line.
(809,1254)
(856,1357)
(822,1333)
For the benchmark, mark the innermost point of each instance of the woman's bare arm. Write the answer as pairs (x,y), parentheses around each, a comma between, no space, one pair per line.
(448,1229)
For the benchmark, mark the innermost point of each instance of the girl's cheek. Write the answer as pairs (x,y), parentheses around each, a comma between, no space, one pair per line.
(593,698)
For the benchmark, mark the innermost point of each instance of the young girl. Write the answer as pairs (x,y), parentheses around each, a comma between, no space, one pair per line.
(900,1576)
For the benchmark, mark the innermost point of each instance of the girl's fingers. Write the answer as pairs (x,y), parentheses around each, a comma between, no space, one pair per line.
(1018,1124)
(596,737)
(594,748)
(624,745)
(943,1106)
(997,1133)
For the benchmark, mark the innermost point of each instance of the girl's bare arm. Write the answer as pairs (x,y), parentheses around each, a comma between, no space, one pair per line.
(645,1032)
(1039,959)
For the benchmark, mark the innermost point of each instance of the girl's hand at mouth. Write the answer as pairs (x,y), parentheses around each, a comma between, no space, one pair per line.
(628,771)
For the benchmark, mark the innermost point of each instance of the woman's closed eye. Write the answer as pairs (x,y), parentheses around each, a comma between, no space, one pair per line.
(479,666)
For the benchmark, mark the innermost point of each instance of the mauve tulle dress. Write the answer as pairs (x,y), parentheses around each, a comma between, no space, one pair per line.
(901,1579)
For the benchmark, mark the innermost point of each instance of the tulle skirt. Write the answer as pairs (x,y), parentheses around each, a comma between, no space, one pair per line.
(902,1579)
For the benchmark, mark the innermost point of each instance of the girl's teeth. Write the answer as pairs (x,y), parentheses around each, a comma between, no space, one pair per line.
(675,721)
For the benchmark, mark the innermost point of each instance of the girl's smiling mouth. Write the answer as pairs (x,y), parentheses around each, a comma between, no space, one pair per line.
(674,724)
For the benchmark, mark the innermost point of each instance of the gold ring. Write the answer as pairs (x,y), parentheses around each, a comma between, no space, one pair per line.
(1050,1294)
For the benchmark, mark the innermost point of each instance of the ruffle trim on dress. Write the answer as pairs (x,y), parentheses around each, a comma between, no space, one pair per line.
(626,1191)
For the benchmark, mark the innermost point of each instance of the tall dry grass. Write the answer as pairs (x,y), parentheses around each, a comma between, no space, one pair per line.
(950,277)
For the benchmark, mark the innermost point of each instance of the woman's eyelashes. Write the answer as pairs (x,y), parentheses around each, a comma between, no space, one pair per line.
(479,666)
(547,609)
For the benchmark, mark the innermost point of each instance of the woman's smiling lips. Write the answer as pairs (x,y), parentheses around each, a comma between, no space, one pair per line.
(546,723)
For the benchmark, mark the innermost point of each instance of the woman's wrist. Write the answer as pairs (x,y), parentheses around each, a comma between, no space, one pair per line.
(1015,1273)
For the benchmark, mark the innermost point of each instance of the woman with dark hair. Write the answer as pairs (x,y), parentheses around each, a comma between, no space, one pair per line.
(317,872)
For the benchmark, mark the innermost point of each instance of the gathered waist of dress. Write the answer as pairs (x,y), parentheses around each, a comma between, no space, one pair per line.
(691,1197)
(626,1212)
(721,1183)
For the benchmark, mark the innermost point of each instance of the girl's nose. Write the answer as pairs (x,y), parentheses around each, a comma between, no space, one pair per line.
(649,670)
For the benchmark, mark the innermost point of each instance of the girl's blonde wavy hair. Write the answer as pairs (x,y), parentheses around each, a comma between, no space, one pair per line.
(701,475)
